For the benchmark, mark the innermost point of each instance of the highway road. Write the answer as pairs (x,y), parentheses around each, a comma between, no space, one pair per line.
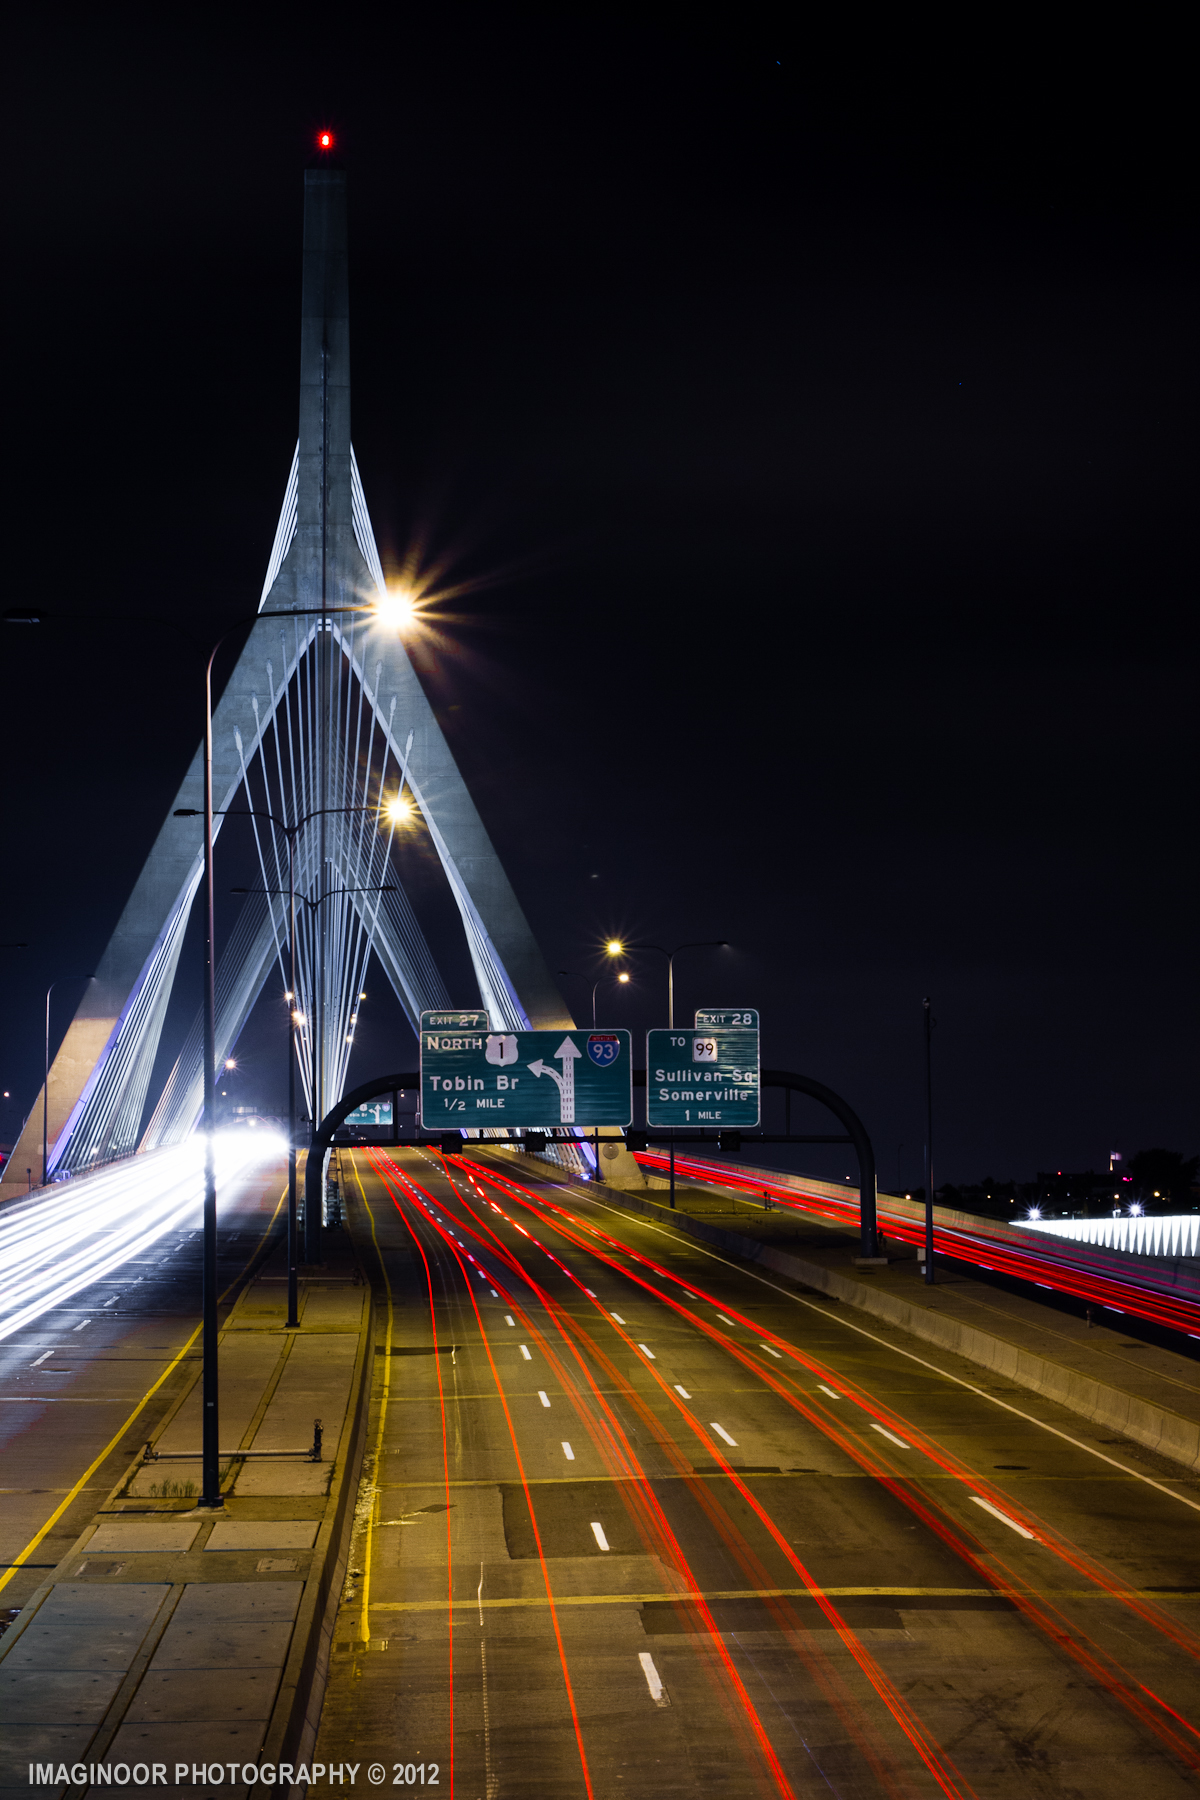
(85,1374)
(1163,1291)
(638,1521)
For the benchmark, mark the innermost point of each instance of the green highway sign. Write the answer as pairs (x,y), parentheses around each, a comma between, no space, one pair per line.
(465,1018)
(472,1077)
(705,1077)
(714,1018)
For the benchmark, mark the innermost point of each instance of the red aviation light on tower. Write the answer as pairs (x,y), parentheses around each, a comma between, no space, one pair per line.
(324,140)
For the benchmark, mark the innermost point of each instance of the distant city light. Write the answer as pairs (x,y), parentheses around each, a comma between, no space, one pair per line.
(1035,1212)
(230,1063)
(397,810)
(615,947)
(324,140)
(622,977)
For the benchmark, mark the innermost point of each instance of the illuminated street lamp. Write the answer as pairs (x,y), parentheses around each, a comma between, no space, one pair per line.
(615,947)
(621,980)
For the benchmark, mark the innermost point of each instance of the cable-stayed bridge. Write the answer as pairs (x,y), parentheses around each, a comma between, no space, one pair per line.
(321,724)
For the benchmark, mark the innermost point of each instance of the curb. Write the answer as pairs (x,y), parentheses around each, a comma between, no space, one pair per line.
(1155,1427)
(292,1732)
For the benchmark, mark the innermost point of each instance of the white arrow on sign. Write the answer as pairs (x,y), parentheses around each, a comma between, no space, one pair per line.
(568,1055)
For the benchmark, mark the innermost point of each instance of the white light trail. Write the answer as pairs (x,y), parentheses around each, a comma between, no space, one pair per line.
(53,1247)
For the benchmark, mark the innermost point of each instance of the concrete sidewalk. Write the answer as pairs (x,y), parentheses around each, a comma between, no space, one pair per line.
(1148,1393)
(170,1635)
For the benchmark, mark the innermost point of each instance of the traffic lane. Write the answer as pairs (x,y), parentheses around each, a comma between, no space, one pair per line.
(994,1439)
(69,1381)
(569,1574)
(803,1698)
(1011,1568)
(403,1697)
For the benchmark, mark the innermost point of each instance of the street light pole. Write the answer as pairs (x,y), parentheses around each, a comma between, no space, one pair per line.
(210,1443)
(617,948)
(312,1241)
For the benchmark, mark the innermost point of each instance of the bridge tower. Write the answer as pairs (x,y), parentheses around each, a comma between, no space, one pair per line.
(323,714)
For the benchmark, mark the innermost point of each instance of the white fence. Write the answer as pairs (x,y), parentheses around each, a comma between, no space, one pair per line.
(1170,1234)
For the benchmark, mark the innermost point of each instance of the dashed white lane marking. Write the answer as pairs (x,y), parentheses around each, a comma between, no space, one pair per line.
(41,1358)
(113,1301)
(1003,1518)
(543,1397)
(771,1352)
(724,1320)
(493,1293)
(658,1692)
(899,1442)
(598,1534)
(525,1353)
(589,1292)
(647,1352)
(722,1433)
(830,1391)
(568,1452)
(81,1324)
(682,1391)
(618,1318)
(508,1319)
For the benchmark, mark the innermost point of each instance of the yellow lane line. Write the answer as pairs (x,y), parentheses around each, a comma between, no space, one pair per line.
(900,1595)
(112,1443)
(364,1630)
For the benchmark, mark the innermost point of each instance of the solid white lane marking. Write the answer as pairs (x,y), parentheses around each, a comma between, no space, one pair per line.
(829,1391)
(771,1352)
(525,1353)
(81,1324)
(1003,1518)
(653,1679)
(568,1452)
(508,1319)
(899,1442)
(722,1433)
(618,1318)
(647,1352)
(41,1358)
(544,1398)
(724,1320)
(598,1534)
(682,1391)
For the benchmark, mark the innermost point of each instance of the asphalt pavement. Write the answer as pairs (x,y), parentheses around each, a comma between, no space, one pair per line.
(87,1380)
(639,1520)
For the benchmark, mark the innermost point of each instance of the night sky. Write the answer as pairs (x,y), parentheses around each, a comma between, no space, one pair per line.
(807,419)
